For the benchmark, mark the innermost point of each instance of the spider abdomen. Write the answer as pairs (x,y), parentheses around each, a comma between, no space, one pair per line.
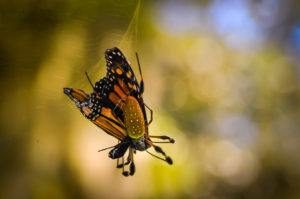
(133,118)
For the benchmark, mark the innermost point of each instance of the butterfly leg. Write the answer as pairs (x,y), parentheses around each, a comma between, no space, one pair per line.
(163,137)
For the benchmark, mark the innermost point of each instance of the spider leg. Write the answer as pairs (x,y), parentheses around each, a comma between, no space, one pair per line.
(163,137)
(140,70)
(118,163)
(125,173)
(123,163)
(128,161)
(151,113)
(159,150)
(87,76)
(132,165)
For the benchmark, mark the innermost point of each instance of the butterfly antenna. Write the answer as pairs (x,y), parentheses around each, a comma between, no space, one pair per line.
(140,70)
(87,76)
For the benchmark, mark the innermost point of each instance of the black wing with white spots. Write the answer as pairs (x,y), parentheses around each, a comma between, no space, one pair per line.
(118,83)
(119,68)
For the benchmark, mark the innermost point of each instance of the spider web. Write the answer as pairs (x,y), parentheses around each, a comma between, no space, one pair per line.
(126,40)
(78,45)
(79,42)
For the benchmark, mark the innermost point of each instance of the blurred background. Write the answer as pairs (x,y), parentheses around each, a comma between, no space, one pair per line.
(222,78)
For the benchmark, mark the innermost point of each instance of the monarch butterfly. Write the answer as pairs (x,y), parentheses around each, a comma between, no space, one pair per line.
(116,105)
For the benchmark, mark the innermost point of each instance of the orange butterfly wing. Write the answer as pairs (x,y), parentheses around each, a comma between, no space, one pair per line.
(91,107)
(104,107)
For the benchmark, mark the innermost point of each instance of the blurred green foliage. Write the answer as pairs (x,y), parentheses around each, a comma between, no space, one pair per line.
(233,111)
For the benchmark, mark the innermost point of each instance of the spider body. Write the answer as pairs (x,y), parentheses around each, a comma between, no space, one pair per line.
(134,119)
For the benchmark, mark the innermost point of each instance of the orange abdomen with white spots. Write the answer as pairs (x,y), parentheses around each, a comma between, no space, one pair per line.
(133,118)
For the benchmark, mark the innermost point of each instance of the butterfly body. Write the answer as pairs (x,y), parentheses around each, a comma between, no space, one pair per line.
(117,107)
